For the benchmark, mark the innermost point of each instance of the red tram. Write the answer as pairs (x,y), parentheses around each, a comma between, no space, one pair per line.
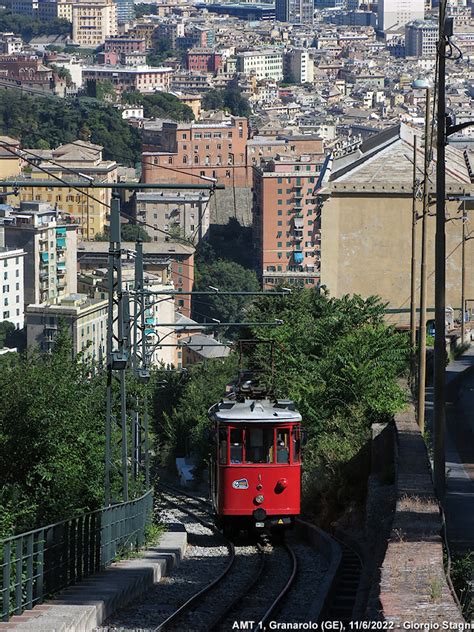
(256,464)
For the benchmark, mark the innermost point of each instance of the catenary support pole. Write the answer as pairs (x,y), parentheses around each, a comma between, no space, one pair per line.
(439,457)
(423,272)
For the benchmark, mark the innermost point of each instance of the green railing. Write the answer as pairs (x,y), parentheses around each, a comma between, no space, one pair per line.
(39,563)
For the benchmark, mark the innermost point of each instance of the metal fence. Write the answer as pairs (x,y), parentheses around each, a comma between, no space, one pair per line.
(39,563)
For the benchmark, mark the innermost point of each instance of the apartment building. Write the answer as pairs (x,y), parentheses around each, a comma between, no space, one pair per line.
(263,63)
(286,215)
(299,66)
(10,44)
(371,186)
(12,298)
(124,45)
(295,11)
(84,318)
(140,78)
(203,60)
(394,14)
(421,39)
(81,157)
(267,147)
(215,148)
(50,245)
(93,22)
(159,313)
(167,259)
(10,164)
(182,213)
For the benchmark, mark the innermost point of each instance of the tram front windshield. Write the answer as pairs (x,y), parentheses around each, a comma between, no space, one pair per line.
(257,444)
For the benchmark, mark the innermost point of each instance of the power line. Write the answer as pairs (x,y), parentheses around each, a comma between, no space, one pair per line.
(88,195)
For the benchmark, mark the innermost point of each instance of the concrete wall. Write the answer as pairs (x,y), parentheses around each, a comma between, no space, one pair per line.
(366,249)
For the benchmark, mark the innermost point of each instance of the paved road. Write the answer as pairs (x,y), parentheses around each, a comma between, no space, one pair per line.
(459,505)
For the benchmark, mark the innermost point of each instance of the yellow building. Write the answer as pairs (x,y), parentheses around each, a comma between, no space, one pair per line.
(366,217)
(65,162)
(93,22)
(9,163)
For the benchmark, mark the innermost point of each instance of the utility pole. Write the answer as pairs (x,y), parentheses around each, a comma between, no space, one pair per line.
(117,361)
(439,457)
(413,262)
(463,273)
(423,274)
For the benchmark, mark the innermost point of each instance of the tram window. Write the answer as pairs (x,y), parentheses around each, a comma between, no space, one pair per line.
(283,441)
(236,445)
(258,443)
(223,446)
(296,445)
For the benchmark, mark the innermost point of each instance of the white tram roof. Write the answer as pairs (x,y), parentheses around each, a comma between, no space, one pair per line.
(257,410)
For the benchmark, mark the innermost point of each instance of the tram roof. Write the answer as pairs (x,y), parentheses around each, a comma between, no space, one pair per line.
(258,410)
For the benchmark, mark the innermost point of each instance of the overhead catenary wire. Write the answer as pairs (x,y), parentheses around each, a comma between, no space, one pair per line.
(92,197)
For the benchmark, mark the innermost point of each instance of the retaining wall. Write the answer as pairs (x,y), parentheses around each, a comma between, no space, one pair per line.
(413,586)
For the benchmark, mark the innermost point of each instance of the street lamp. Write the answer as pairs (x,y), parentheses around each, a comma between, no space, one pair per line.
(422,84)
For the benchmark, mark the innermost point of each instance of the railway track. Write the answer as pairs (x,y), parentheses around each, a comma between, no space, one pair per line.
(234,592)
(220,582)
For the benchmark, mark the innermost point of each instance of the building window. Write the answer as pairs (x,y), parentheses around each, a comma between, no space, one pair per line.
(196,160)
(185,160)
(5,301)
(280,180)
(6,315)
(280,212)
(280,202)
(279,223)
(279,244)
(170,160)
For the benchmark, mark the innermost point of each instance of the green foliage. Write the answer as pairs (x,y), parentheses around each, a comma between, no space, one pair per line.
(36,120)
(462,568)
(6,331)
(226,275)
(142,9)
(231,241)
(181,405)
(340,363)
(102,90)
(129,232)
(162,50)
(29,27)
(52,415)
(229,99)
(160,105)
(63,73)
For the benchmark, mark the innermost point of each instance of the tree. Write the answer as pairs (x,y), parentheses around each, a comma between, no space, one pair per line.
(34,120)
(52,415)
(6,330)
(213,100)
(132,232)
(129,232)
(230,99)
(29,27)
(102,90)
(160,105)
(162,50)
(339,361)
(224,275)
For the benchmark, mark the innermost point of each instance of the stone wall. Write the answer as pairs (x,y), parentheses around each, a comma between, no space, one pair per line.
(413,586)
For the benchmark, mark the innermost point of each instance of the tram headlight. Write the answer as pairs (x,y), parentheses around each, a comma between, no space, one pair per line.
(259,499)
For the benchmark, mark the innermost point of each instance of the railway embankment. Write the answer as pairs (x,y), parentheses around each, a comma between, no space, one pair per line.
(413,587)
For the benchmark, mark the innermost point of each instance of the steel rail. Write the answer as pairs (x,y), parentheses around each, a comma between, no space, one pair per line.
(277,601)
(196,597)
(239,598)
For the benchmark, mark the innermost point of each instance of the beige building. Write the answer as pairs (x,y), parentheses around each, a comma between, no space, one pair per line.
(10,165)
(366,220)
(84,317)
(160,309)
(83,158)
(93,22)
(180,213)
